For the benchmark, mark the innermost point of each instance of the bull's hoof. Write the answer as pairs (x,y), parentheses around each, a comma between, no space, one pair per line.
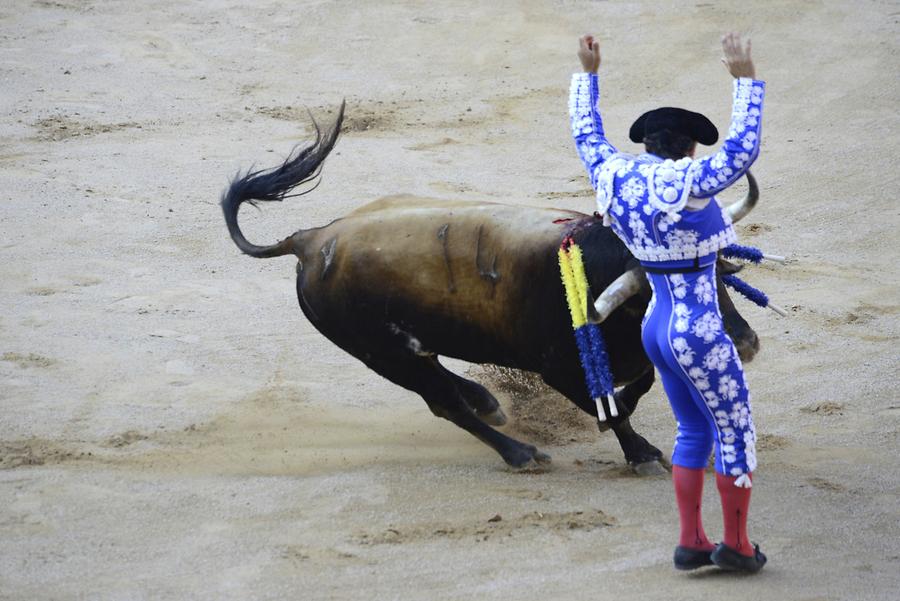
(494,418)
(535,465)
(638,451)
(649,468)
(542,458)
(530,460)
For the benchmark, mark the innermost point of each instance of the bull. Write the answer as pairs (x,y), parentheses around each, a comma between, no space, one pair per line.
(404,280)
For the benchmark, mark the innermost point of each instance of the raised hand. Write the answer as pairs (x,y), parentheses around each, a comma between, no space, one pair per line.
(589,53)
(737,56)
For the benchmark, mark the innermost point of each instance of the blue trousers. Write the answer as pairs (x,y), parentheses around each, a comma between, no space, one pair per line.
(701,373)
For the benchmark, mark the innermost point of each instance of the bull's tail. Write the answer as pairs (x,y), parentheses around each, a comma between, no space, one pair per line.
(303,165)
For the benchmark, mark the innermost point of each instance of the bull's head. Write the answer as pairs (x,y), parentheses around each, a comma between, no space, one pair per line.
(634,280)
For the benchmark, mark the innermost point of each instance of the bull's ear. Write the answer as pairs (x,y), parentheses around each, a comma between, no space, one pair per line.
(727,267)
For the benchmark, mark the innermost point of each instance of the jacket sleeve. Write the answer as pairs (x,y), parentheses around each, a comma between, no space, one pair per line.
(714,173)
(587,126)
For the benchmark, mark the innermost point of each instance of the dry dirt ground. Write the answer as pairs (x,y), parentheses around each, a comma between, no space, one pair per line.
(172,428)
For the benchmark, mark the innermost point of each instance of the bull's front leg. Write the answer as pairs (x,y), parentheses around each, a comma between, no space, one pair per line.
(642,456)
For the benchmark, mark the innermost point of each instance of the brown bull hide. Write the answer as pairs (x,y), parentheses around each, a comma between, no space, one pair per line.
(466,266)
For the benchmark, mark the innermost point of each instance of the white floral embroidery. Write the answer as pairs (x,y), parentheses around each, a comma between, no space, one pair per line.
(740,415)
(741,158)
(680,240)
(726,430)
(722,420)
(708,326)
(699,377)
(728,387)
(686,358)
(703,290)
(712,400)
(750,447)
(638,229)
(749,141)
(665,222)
(632,191)
(679,285)
(651,240)
(684,352)
(752,118)
(718,357)
(756,95)
(682,317)
(669,185)
(728,453)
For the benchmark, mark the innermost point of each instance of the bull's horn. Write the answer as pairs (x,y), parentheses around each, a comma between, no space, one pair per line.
(739,210)
(624,287)
(777,309)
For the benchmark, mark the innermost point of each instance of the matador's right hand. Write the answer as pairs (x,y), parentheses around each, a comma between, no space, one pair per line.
(737,56)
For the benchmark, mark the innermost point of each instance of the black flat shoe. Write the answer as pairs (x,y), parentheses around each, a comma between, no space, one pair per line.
(728,559)
(691,559)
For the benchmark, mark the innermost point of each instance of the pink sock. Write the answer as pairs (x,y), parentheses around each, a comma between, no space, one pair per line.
(689,496)
(735,504)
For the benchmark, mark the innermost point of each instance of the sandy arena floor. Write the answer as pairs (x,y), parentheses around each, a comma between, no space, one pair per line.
(171,427)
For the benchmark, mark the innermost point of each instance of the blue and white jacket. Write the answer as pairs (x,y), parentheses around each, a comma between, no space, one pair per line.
(644,197)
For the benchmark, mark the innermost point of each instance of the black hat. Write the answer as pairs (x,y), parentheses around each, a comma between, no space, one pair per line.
(693,125)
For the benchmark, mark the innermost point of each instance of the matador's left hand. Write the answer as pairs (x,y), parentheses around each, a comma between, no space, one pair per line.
(589,53)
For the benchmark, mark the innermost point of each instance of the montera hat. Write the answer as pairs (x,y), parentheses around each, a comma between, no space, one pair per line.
(694,125)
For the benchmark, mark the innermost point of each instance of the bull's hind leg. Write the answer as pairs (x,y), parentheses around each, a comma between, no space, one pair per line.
(441,392)
(485,405)
(398,357)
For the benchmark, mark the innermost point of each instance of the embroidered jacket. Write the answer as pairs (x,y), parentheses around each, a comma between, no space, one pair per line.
(643,197)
